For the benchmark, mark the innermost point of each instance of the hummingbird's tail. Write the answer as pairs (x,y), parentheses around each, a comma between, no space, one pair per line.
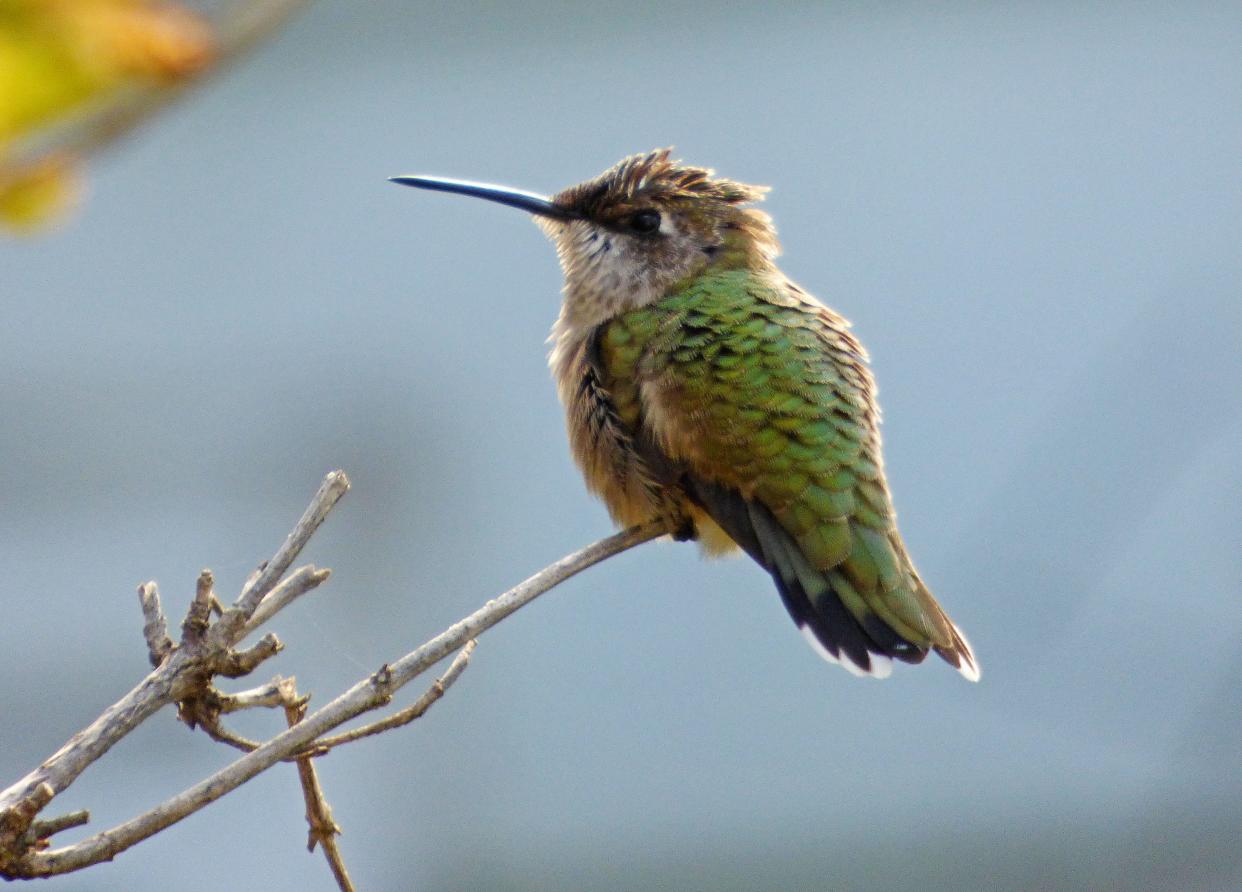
(826,608)
(959,655)
(864,647)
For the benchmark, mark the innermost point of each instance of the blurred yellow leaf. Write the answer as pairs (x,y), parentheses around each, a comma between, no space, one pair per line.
(39,77)
(140,38)
(37,194)
(77,74)
(55,54)
(57,57)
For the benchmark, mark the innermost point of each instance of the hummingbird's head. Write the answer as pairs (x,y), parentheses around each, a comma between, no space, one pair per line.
(633,233)
(643,226)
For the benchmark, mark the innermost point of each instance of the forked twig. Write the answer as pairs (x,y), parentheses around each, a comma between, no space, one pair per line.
(410,713)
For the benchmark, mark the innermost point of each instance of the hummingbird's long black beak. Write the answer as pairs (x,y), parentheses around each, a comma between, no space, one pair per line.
(514,198)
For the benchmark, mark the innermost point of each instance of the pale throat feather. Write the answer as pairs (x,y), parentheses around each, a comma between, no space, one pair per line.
(607,274)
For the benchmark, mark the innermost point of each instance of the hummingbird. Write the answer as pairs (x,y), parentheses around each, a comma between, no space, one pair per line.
(704,388)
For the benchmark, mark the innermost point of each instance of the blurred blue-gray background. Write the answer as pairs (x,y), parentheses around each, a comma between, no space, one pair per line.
(1033,215)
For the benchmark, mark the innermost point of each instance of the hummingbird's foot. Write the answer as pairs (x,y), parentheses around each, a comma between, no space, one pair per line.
(684,530)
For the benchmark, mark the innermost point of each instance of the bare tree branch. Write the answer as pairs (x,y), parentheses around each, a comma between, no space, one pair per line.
(323,829)
(410,713)
(198,617)
(298,583)
(40,831)
(180,675)
(297,741)
(267,696)
(230,627)
(155,627)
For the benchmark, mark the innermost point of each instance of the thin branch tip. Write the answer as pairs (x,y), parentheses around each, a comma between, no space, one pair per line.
(40,831)
(236,621)
(154,625)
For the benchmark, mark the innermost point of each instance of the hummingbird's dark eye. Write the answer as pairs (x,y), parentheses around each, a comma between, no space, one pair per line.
(645,222)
